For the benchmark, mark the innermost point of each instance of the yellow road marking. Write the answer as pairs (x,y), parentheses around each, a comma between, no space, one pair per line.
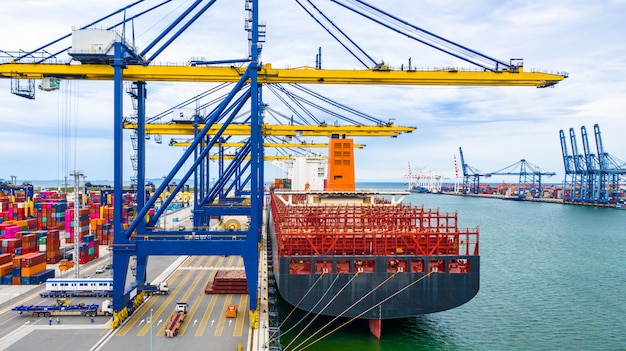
(196,303)
(241,315)
(161,331)
(128,325)
(222,317)
(166,304)
(206,316)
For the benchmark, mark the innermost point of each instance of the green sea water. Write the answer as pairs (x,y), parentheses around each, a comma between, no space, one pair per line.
(553,277)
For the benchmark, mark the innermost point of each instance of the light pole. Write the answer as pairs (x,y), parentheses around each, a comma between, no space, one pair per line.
(76,175)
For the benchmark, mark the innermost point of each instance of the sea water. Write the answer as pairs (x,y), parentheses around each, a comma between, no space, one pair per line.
(553,277)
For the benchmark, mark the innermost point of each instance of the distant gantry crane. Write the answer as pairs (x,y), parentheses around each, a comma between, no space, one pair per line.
(590,178)
(471,176)
(529,177)
(423,181)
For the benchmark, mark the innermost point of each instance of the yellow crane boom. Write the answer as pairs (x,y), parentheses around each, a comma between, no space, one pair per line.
(301,75)
(265,157)
(185,143)
(388,130)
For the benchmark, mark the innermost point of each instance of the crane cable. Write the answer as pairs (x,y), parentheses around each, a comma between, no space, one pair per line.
(67,123)
(308,313)
(362,313)
(318,314)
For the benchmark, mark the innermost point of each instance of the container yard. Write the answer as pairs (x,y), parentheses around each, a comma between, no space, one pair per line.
(38,233)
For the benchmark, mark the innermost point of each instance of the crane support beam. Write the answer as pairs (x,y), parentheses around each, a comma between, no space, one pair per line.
(268,74)
(278,130)
(266,157)
(273,145)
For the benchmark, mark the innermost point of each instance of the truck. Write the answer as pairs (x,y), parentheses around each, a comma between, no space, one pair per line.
(176,320)
(160,288)
(63,308)
(231,311)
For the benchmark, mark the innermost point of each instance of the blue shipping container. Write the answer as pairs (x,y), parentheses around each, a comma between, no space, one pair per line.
(41,277)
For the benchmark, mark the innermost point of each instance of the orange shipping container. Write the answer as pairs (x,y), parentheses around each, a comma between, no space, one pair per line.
(28,271)
(6,269)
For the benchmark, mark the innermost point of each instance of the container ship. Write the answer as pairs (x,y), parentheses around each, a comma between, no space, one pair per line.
(349,253)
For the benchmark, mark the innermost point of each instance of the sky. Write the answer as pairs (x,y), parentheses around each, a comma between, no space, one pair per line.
(72,128)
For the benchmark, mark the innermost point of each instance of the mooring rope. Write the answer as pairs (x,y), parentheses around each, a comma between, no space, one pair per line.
(309,312)
(362,313)
(318,313)
(349,308)
(302,299)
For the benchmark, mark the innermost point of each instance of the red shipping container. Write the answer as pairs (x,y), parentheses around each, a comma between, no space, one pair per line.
(33,259)
(53,260)
(6,258)
(11,243)
(32,223)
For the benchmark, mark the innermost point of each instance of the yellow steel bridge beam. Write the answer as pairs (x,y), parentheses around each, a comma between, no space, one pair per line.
(389,130)
(273,145)
(268,74)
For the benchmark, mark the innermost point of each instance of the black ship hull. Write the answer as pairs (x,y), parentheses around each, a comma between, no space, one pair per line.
(375,295)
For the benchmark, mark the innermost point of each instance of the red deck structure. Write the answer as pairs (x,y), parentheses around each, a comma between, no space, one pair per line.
(379,229)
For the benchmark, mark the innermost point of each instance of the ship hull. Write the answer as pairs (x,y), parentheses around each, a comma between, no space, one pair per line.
(406,294)
(376,262)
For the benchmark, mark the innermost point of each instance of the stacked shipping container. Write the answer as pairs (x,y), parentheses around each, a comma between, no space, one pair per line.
(102,231)
(53,246)
(32,235)
(50,213)
(27,269)
(71,224)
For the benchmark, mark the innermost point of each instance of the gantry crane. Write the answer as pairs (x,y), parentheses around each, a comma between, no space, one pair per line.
(118,61)
(591,186)
(8,188)
(591,178)
(471,176)
(529,177)
(612,170)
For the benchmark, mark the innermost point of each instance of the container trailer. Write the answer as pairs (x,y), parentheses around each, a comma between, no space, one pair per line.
(176,320)
(62,308)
